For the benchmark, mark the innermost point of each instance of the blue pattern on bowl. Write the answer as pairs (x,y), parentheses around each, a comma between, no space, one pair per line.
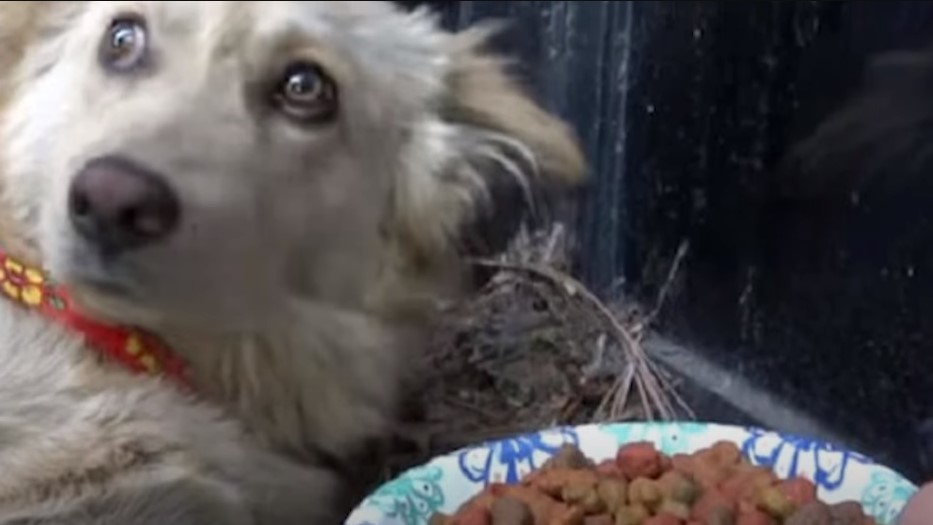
(791,456)
(507,460)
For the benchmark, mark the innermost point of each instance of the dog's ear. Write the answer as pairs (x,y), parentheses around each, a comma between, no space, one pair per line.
(486,162)
(522,154)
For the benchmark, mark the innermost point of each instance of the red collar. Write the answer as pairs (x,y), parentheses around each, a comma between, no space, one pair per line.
(139,351)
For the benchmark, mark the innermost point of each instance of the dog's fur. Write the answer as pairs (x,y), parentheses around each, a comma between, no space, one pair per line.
(307,264)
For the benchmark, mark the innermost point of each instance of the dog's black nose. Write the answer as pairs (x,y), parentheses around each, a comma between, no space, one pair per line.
(119,205)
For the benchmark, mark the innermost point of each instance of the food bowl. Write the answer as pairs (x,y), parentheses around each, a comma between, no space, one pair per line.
(445,482)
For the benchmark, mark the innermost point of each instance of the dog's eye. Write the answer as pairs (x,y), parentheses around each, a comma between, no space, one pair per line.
(125,44)
(305,93)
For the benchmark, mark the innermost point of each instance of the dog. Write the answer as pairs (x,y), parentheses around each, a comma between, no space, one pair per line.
(279,194)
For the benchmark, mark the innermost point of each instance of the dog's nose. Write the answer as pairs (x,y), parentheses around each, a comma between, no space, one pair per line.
(119,205)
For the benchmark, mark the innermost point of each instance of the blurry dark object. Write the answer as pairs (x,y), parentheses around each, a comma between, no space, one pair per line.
(879,142)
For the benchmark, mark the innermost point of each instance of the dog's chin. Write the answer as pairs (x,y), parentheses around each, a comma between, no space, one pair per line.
(83,268)
(104,287)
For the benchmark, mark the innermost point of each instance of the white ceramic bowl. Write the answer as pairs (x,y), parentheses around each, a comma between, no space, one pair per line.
(447,481)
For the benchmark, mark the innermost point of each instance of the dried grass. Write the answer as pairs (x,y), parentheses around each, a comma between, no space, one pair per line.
(536,348)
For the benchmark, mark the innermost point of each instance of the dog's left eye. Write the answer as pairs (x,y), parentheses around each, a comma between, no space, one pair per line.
(305,93)
(124,45)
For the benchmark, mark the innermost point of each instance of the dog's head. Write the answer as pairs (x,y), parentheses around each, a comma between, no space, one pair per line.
(204,160)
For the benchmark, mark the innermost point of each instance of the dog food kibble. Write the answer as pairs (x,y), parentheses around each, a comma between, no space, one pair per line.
(711,503)
(663,519)
(568,456)
(585,496)
(799,491)
(678,486)
(813,513)
(746,481)
(718,516)
(510,511)
(645,491)
(754,517)
(632,515)
(639,460)
(642,486)
(848,513)
(474,515)
(554,480)
(726,453)
(773,501)
(613,492)
(600,519)
(610,468)
(675,508)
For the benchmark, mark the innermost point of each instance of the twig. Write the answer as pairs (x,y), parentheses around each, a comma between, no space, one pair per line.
(645,381)
(672,272)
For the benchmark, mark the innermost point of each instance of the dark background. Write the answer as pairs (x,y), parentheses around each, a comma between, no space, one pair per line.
(808,274)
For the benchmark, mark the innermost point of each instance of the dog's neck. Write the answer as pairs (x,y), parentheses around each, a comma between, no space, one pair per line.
(321,376)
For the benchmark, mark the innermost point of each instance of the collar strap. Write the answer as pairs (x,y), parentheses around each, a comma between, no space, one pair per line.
(138,351)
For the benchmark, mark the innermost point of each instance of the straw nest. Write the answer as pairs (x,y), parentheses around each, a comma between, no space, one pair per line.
(535,348)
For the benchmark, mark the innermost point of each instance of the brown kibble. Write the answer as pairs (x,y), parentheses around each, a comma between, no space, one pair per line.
(484,499)
(645,491)
(510,511)
(663,519)
(848,513)
(544,508)
(553,481)
(495,489)
(568,457)
(746,506)
(568,516)
(775,503)
(712,504)
(599,519)
(472,515)
(746,482)
(638,460)
(632,515)
(720,516)
(682,463)
(798,491)
(609,468)
(754,517)
(726,453)
(678,486)
(675,508)
(439,518)
(813,513)
(613,492)
(584,496)
(707,472)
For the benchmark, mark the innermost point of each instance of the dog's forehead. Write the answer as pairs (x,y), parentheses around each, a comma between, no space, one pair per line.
(353,28)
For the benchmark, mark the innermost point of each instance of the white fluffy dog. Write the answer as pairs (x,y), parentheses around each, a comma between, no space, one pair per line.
(278,193)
